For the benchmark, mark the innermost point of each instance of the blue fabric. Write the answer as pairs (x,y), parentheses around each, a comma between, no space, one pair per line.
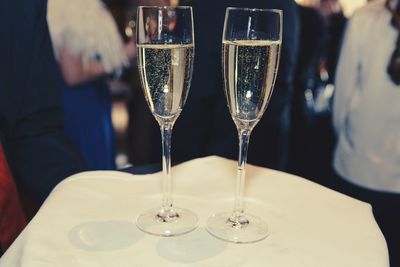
(87,116)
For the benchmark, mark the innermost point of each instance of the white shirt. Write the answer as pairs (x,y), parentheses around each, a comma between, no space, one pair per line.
(367,103)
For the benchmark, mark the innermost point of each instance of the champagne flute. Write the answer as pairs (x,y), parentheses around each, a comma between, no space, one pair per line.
(165,41)
(251,50)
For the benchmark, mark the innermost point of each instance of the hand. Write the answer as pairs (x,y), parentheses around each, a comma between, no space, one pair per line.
(130,50)
(75,71)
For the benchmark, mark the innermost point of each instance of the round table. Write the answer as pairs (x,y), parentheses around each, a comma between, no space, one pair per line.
(89,220)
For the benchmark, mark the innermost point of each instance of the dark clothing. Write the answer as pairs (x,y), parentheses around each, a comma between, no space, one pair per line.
(31,114)
(205,126)
(312,138)
(336,25)
(312,40)
(87,122)
(308,132)
(386,208)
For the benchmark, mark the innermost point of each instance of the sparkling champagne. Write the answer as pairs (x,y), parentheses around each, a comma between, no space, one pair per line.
(166,72)
(250,69)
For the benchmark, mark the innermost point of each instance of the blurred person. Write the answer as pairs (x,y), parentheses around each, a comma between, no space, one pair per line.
(312,136)
(88,46)
(205,126)
(143,133)
(332,11)
(312,41)
(31,122)
(366,116)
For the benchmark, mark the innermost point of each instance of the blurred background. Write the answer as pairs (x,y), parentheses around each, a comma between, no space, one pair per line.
(137,133)
(349,6)
(108,120)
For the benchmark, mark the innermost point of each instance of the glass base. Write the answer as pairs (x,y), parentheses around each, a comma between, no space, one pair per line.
(237,229)
(171,222)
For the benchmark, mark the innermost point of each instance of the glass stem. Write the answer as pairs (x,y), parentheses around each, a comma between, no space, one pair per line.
(244,137)
(166,132)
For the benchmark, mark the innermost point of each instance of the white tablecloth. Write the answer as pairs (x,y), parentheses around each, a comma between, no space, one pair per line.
(88,220)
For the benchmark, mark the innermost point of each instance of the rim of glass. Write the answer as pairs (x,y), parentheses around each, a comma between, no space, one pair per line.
(272,10)
(166,7)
